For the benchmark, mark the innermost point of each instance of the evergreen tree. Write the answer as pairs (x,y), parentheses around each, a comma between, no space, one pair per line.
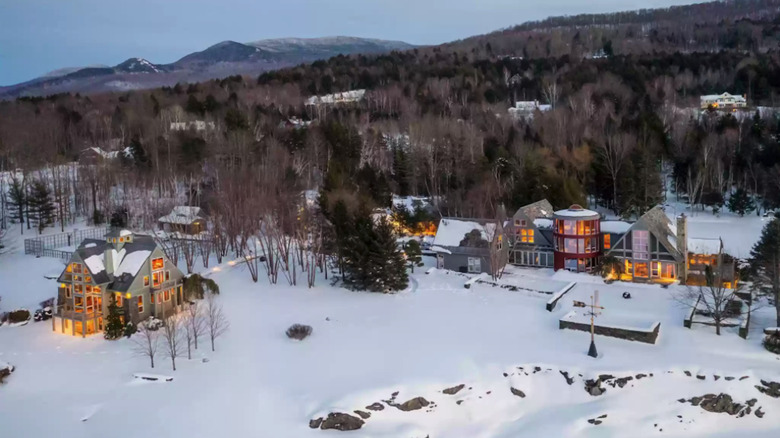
(41,207)
(17,202)
(114,328)
(741,202)
(413,253)
(765,262)
(387,271)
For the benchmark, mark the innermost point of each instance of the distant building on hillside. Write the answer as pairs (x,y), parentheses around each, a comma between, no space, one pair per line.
(337,98)
(527,108)
(196,125)
(129,268)
(723,102)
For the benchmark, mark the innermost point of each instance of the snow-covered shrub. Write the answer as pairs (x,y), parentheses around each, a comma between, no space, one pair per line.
(299,331)
(130,329)
(20,315)
(772,342)
(153,323)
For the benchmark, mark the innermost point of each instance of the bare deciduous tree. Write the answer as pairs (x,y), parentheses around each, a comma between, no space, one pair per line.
(195,326)
(216,321)
(172,335)
(146,342)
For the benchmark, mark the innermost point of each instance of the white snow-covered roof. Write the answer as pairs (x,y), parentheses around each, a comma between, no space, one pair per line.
(440,249)
(575,211)
(131,263)
(543,223)
(97,263)
(452,231)
(616,227)
(125,233)
(343,97)
(182,215)
(707,246)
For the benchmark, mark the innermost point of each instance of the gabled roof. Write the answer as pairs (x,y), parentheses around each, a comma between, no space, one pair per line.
(183,215)
(537,210)
(452,231)
(127,262)
(659,225)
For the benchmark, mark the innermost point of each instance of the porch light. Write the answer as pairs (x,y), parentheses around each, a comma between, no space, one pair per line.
(128,295)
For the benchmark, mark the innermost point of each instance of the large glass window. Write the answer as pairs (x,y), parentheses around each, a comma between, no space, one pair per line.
(570,245)
(157,264)
(640,270)
(474,266)
(641,244)
(607,241)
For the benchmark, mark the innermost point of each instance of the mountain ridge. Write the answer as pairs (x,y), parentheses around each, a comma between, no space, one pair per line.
(219,60)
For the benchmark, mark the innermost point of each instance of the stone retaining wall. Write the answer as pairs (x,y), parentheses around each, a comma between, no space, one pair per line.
(648,337)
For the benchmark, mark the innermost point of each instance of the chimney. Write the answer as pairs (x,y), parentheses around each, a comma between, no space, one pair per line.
(682,245)
(108,260)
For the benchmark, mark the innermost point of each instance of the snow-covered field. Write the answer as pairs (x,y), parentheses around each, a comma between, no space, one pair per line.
(365,347)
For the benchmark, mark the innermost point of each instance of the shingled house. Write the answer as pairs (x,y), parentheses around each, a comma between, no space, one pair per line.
(131,268)
(184,219)
(532,235)
(470,245)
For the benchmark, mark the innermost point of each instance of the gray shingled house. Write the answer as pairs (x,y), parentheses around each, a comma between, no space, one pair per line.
(532,235)
(132,268)
(471,245)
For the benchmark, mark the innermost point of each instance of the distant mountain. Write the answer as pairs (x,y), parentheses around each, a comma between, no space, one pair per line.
(220,60)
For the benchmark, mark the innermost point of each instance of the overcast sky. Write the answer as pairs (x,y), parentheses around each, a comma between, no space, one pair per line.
(37,36)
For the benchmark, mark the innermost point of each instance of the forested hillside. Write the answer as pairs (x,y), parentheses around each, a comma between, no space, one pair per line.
(434,122)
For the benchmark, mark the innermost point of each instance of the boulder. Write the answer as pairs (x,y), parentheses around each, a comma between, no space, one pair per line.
(454,390)
(569,380)
(517,392)
(375,406)
(315,423)
(341,421)
(363,414)
(771,389)
(413,404)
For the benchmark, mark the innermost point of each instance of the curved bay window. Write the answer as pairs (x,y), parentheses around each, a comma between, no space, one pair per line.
(576,239)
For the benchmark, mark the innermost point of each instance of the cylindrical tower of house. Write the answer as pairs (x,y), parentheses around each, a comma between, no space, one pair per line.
(576,239)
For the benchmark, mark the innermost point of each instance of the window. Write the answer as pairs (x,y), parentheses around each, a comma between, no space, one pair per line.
(88,279)
(156,278)
(527,236)
(77,267)
(151,298)
(499,246)
(77,278)
(78,288)
(90,304)
(475,265)
(146,280)
(68,293)
(88,289)
(641,245)
(640,270)
(121,240)
(86,271)
(157,264)
(655,268)
(96,290)
(69,268)
(517,223)
(168,273)
(118,299)
(79,303)
(168,294)
(140,304)
(100,324)
(607,241)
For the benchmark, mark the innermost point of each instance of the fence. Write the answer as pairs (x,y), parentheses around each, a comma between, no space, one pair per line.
(47,246)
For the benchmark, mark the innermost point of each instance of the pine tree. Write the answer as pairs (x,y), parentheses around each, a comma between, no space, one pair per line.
(413,253)
(741,202)
(388,267)
(114,328)
(765,262)
(18,201)
(41,208)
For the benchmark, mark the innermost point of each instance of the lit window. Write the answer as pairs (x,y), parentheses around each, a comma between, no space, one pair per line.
(86,271)
(121,240)
(607,241)
(157,264)
(156,278)
(118,299)
(140,304)
(641,245)
(88,289)
(151,298)
(517,222)
(79,289)
(530,236)
(146,280)
(69,268)
(167,295)
(68,293)
(88,279)
(96,290)
(168,273)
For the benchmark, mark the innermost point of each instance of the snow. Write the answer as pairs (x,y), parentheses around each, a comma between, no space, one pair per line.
(95,263)
(562,291)
(440,249)
(543,222)
(125,233)
(410,202)
(132,262)
(418,342)
(452,231)
(569,212)
(90,245)
(617,227)
(343,97)
(705,246)
(182,215)
(612,322)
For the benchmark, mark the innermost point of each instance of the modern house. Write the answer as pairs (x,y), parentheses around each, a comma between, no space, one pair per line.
(129,268)
(532,235)
(184,219)
(196,125)
(725,101)
(527,108)
(471,245)
(343,97)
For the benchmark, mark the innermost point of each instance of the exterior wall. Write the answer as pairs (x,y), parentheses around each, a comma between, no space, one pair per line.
(585,259)
(458,261)
(660,260)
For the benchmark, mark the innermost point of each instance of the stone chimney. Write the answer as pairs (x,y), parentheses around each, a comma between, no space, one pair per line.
(682,245)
